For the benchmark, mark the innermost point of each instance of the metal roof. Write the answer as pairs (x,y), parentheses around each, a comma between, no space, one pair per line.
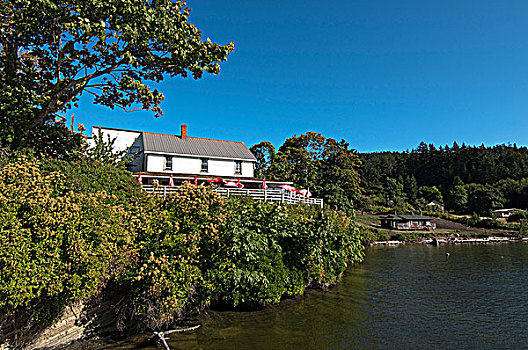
(391,217)
(194,146)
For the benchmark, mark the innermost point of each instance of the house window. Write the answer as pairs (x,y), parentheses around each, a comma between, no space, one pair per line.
(238,167)
(168,163)
(205,165)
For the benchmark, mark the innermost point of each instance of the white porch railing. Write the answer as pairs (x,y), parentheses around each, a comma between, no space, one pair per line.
(274,195)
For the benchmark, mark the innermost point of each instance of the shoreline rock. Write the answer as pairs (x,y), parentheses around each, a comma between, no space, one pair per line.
(447,240)
(458,240)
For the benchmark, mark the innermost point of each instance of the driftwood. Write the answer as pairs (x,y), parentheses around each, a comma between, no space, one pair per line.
(161,337)
(163,340)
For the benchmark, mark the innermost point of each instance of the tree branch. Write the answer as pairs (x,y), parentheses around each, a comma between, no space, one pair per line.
(52,104)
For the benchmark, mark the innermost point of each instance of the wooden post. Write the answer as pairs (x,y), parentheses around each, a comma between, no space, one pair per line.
(164,191)
(228,192)
(282,197)
(265,195)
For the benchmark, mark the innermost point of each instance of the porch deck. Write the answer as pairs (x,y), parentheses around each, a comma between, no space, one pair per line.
(270,195)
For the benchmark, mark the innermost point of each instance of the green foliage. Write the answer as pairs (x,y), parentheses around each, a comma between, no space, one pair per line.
(476,221)
(54,140)
(411,236)
(103,151)
(70,229)
(86,176)
(411,188)
(326,166)
(394,192)
(372,234)
(523,229)
(56,245)
(265,154)
(457,196)
(468,178)
(251,271)
(482,199)
(518,216)
(430,193)
(272,251)
(181,243)
(53,51)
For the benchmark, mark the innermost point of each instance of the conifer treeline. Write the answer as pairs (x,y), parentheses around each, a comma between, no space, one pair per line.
(465,178)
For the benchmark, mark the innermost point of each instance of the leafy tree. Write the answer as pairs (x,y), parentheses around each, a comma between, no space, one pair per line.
(298,159)
(430,193)
(502,169)
(55,140)
(265,154)
(326,166)
(394,192)
(482,199)
(411,188)
(102,151)
(457,196)
(53,51)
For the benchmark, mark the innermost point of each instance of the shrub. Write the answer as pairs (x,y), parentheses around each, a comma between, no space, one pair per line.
(70,229)
(56,245)
(250,272)
(274,250)
(181,242)
(517,216)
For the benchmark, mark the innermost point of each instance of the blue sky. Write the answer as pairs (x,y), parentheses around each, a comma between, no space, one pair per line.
(383,75)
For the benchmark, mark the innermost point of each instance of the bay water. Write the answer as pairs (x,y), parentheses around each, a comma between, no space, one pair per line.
(470,296)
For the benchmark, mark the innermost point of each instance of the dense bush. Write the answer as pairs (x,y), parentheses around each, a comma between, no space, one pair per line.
(181,243)
(70,229)
(56,245)
(517,216)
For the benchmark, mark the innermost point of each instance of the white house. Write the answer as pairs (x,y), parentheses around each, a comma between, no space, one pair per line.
(160,158)
(164,154)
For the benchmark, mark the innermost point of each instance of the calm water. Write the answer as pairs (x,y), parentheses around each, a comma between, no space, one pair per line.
(404,297)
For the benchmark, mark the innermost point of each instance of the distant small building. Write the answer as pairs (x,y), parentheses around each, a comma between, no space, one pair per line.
(406,222)
(435,206)
(504,213)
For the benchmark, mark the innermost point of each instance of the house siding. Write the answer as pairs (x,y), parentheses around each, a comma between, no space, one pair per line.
(192,165)
(123,138)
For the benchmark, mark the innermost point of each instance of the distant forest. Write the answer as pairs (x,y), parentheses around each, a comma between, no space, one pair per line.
(466,179)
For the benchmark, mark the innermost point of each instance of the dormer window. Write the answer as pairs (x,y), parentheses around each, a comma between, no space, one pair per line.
(168,163)
(238,167)
(205,165)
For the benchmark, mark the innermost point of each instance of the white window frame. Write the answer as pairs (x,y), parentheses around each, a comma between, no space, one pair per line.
(168,163)
(238,167)
(206,162)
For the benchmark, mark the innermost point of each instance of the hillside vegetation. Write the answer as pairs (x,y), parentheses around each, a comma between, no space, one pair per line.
(69,230)
(466,179)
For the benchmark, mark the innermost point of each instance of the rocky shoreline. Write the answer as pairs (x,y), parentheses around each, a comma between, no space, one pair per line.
(452,240)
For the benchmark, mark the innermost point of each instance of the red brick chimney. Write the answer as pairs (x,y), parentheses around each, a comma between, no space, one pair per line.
(183,131)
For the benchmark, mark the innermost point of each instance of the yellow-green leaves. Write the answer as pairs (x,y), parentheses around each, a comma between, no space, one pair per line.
(70,229)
